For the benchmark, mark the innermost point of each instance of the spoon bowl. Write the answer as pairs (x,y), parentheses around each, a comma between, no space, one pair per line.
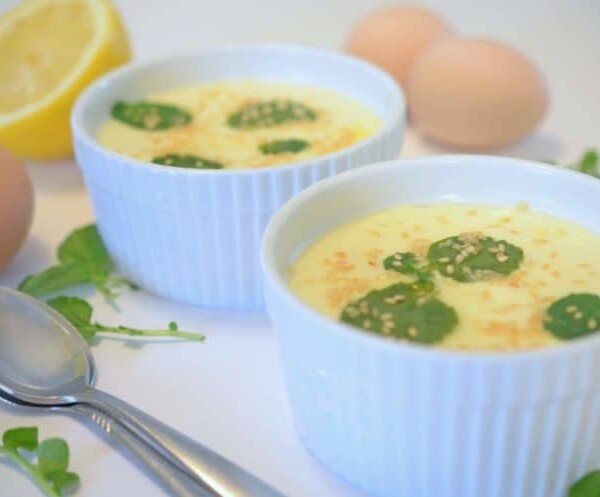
(43,359)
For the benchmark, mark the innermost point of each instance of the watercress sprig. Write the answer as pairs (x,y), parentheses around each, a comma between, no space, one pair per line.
(46,463)
(83,259)
(587,486)
(589,163)
(79,313)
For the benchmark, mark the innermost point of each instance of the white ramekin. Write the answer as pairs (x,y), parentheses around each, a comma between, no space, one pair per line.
(193,236)
(408,420)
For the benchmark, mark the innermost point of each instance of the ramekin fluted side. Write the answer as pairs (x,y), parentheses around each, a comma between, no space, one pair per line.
(195,238)
(396,424)
(400,419)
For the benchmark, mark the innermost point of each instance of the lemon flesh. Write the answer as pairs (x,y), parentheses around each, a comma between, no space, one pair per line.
(51,50)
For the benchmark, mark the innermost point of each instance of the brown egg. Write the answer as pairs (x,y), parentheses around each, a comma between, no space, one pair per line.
(475,93)
(393,37)
(16,206)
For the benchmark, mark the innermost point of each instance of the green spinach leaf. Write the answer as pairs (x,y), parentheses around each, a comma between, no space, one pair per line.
(150,116)
(291,146)
(270,113)
(474,257)
(187,161)
(403,311)
(573,316)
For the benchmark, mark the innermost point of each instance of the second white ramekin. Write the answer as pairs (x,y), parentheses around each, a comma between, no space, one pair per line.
(193,236)
(401,419)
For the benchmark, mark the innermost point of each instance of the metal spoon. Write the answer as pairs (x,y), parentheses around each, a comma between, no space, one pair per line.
(173,481)
(45,362)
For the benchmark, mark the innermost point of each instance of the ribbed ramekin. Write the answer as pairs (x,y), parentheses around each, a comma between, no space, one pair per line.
(407,420)
(193,236)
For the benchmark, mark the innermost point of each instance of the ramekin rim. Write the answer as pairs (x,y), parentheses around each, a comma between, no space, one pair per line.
(277,281)
(88,94)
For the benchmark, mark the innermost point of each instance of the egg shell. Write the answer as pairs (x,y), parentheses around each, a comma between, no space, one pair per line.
(475,93)
(16,206)
(393,37)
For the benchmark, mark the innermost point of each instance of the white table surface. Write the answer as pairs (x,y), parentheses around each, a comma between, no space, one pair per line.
(228,392)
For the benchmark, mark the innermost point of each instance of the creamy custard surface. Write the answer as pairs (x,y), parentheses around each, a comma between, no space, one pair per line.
(340,122)
(496,314)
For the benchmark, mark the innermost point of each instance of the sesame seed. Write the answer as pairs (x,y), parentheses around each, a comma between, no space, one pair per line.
(443,260)
(352,312)
(367,323)
(578,315)
(571,309)
(449,269)
(411,331)
(592,324)
(501,257)
(394,299)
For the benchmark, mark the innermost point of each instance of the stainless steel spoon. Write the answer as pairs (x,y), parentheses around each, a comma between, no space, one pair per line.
(167,476)
(45,362)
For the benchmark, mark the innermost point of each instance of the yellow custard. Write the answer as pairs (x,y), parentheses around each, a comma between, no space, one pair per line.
(336,122)
(499,313)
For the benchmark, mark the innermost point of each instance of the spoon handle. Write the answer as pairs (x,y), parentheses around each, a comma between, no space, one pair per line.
(173,481)
(220,477)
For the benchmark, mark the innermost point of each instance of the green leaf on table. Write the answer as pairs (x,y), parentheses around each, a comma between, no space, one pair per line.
(291,146)
(474,257)
(403,311)
(588,486)
(186,161)
(83,259)
(55,279)
(589,163)
(573,316)
(84,245)
(150,116)
(46,464)
(21,438)
(270,113)
(79,313)
(53,456)
(64,481)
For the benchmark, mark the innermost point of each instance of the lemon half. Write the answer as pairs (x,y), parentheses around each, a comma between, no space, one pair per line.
(50,51)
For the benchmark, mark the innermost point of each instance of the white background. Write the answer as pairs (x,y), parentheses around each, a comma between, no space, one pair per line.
(228,392)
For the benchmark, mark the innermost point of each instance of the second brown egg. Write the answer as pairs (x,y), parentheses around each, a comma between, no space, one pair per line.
(393,37)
